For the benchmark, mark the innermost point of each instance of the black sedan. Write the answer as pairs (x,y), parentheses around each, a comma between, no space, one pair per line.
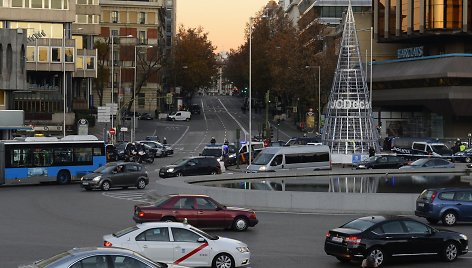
(388,237)
(464,156)
(382,161)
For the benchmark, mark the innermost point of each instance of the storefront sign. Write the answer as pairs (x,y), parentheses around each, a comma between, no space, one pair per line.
(349,104)
(411,52)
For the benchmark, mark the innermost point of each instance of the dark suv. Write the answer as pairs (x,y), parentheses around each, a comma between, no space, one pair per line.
(446,204)
(117,174)
(381,161)
(195,109)
(199,165)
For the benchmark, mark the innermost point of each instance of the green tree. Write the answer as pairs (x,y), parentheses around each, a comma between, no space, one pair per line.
(194,61)
(103,73)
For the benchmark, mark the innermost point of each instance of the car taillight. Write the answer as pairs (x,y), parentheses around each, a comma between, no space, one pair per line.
(328,235)
(140,214)
(107,244)
(353,239)
(433,195)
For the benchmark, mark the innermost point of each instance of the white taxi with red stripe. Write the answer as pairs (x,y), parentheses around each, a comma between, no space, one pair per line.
(180,243)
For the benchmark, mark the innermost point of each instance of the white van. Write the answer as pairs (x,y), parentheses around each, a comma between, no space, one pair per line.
(179,116)
(317,157)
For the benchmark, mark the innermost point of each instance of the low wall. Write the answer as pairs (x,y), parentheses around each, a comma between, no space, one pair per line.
(328,202)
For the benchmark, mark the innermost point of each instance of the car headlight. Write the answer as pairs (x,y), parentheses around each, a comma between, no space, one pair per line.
(263,168)
(361,166)
(463,236)
(97,178)
(243,249)
(81,179)
(232,156)
(170,170)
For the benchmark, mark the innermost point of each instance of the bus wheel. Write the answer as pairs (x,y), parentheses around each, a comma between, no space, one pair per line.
(63,177)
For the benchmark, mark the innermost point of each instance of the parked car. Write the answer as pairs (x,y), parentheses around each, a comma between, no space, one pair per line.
(381,161)
(464,156)
(198,165)
(146,116)
(429,163)
(303,140)
(195,109)
(181,243)
(217,150)
(179,116)
(99,257)
(390,237)
(157,148)
(200,210)
(448,205)
(116,174)
(153,138)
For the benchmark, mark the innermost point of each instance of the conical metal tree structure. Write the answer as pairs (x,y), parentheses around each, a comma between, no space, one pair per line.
(349,127)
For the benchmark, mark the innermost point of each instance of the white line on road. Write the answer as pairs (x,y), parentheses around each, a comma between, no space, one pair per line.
(237,122)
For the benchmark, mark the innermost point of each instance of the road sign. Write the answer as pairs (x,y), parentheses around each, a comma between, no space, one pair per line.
(169,98)
(103,114)
(112,131)
(113,107)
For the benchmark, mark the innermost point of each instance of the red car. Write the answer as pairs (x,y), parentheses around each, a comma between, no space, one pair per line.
(199,210)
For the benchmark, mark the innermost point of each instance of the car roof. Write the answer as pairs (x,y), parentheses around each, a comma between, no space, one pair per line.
(162,224)
(449,189)
(381,218)
(188,195)
(101,250)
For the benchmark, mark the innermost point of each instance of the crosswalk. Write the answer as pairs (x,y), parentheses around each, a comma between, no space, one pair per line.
(130,195)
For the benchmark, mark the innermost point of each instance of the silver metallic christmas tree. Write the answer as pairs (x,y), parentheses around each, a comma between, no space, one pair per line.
(349,127)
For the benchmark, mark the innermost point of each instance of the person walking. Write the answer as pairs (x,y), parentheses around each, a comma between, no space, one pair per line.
(213,140)
(371,151)
(164,141)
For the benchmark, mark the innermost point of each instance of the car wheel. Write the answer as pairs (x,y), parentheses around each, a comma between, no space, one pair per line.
(449,218)
(450,251)
(168,219)
(179,174)
(173,119)
(240,224)
(468,159)
(105,186)
(379,256)
(343,260)
(213,172)
(432,221)
(141,184)
(63,177)
(223,260)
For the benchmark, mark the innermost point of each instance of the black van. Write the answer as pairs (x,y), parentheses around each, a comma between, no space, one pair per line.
(195,109)
(198,165)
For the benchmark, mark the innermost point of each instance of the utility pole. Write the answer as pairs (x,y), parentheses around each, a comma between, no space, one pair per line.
(267,126)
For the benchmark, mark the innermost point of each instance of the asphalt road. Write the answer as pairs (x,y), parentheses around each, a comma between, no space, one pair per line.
(39,221)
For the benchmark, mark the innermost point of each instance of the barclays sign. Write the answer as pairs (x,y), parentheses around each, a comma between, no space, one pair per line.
(349,104)
(411,52)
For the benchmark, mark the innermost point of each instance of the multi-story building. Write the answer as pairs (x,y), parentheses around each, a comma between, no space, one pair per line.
(58,69)
(423,89)
(136,30)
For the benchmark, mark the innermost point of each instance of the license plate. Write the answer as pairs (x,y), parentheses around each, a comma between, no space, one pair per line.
(85,183)
(420,204)
(337,239)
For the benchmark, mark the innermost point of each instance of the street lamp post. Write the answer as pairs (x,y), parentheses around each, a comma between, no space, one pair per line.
(250,89)
(319,94)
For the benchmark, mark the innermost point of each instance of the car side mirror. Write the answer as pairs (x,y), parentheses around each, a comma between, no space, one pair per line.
(201,240)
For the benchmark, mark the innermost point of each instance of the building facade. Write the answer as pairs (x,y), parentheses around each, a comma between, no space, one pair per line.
(138,32)
(423,88)
(56,58)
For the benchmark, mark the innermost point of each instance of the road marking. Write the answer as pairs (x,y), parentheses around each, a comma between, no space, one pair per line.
(191,253)
(182,136)
(135,196)
(237,122)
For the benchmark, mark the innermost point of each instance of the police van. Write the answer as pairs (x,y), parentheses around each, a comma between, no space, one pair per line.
(317,157)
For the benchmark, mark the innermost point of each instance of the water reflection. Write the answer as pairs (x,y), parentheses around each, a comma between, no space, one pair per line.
(352,184)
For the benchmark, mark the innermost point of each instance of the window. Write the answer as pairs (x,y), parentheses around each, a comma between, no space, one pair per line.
(20,158)
(114,16)
(56,54)
(416,227)
(131,168)
(95,261)
(81,18)
(141,18)
(184,235)
(79,63)
(90,61)
(463,196)
(124,261)
(141,100)
(69,54)
(83,156)
(63,157)
(43,54)
(184,203)
(393,227)
(56,4)
(30,55)
(203,203)
(156,234)
(142,37)
(42,157)
(17,3)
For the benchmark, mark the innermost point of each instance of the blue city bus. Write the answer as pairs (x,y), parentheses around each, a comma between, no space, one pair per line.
(43,159)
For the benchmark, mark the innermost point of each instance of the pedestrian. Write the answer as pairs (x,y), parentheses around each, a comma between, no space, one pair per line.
(369,262)
(226,142)
(164,141)
(213,140)
(462,147)
(371,151)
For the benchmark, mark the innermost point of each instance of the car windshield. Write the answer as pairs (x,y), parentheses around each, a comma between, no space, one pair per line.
(371,159)
(46,262)
(419,162)
(263,159)
(181,162)
(212,152)
(358,224)
(125,231)
(441,149)
(202,233)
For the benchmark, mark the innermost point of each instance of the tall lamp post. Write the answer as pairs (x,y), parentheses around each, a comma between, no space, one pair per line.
(319,94)
(250,89)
